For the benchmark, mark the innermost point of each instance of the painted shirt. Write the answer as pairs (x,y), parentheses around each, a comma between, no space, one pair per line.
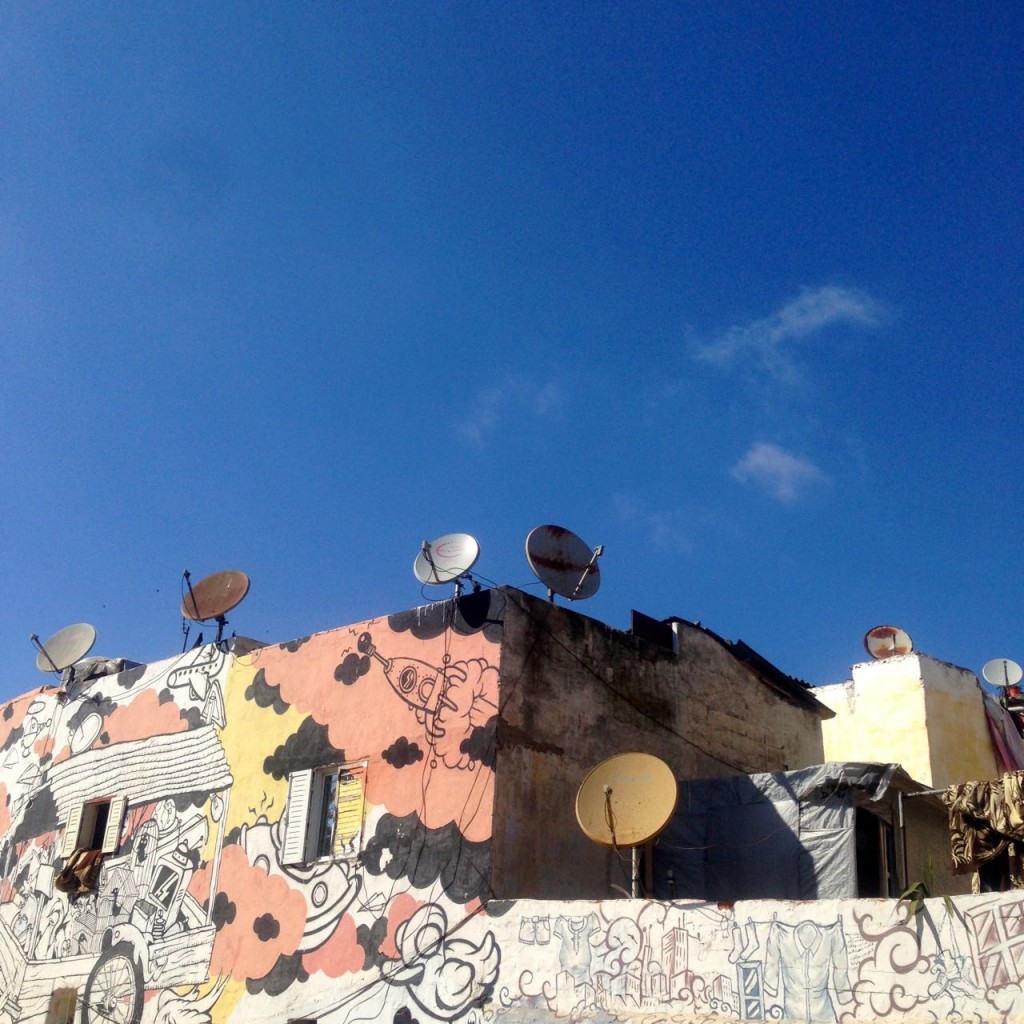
(809,960)
(574,954)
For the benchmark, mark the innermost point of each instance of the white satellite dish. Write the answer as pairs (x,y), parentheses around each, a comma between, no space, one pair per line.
(1002,672)
(887,642)
(563,563)
(65,647)
(446,560)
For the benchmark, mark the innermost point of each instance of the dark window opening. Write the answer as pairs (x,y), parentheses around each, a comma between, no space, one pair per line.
(94,826)
(877,877)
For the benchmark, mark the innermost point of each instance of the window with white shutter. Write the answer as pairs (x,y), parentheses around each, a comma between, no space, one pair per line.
(71,830)
(95,825)
(325,813)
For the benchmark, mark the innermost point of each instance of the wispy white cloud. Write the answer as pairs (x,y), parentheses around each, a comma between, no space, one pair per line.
(662,528)
(512,396)
(777,472)
(765,344)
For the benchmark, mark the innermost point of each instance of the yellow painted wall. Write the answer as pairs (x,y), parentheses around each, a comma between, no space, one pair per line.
(915,710)
(879,718)
(961,748)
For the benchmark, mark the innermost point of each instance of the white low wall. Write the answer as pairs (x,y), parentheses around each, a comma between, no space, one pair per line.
(813,962)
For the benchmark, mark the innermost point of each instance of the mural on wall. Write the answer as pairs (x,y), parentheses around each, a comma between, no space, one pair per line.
(810,962)
(218,837)
(303,833)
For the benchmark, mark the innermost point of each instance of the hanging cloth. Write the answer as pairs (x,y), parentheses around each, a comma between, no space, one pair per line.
(986,820)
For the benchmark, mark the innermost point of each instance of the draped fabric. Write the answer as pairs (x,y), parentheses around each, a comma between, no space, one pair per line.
(81,872)
(986,821)
(1006,738)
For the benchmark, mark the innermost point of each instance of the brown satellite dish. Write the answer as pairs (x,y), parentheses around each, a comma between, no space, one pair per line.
(65,647)
(214,596)
(887,642)
(626,800)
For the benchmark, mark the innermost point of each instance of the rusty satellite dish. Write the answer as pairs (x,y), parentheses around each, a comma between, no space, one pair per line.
(214,596)
(1002,672)
(563,563)
(887,642)
(446,560)
(65,647)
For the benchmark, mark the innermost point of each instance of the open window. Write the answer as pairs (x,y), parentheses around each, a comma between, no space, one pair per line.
(325,813)
(95,825)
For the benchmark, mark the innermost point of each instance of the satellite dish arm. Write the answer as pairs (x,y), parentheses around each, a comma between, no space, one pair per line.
(591,565)
(188,583)
(430,558)
(35,639)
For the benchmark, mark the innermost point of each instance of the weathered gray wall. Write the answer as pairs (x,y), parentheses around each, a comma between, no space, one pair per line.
(574,692)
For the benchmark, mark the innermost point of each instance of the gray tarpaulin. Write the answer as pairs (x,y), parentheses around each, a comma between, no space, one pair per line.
(784,835)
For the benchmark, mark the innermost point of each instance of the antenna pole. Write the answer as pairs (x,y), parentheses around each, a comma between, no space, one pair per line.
(35,639)
(598,552)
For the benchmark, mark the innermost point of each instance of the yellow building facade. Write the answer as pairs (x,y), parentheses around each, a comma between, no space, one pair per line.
(925,714)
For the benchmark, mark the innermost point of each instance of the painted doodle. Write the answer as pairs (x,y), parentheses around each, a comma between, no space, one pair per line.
(302,833)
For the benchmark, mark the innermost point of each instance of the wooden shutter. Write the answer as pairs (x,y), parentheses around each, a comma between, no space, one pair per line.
(112,835)
(300,786)
(71,830)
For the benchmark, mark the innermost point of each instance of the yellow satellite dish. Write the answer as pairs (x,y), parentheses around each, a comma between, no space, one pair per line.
(627,800)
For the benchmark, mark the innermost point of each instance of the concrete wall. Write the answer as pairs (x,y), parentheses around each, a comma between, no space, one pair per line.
(574,692)
(922,713)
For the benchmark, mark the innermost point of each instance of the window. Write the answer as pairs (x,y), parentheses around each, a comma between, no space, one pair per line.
(325,813)
(95,825)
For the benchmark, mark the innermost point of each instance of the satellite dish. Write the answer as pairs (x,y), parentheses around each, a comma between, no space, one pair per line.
(625,802)
(887,642)
(563,563)
(214,596)
(1002,672)
(65,647)
(446,560)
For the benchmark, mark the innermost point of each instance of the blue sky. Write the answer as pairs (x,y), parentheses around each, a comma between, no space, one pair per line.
(732,289)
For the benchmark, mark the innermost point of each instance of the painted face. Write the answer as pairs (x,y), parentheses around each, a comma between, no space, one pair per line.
(165,815)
